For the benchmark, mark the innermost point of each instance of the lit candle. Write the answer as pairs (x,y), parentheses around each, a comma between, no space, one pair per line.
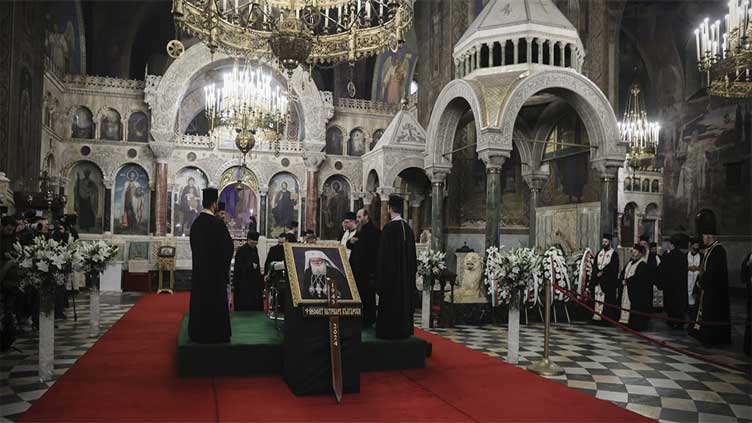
(697,43)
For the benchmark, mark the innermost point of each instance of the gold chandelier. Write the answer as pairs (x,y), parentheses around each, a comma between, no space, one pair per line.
(726,58)
(637,131)
(303,32)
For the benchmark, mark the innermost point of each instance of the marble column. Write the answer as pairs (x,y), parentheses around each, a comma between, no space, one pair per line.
(162,152)
(263,192)
(415,202)
(438,179)
(535,182)
(384,194)
(494,165)
(312,162)
(608,172)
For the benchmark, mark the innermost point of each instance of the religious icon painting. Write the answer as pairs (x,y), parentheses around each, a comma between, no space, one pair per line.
(138,127)
(335,201)
(241,206)
(132,201)
(334,138)
(85,191)
(356,144)
(189,182)
(283,203)
(313,268)
(82,124)
(110,127)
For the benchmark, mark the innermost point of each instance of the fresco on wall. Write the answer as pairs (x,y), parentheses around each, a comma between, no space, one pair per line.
(189,182)
(110,126)
(393,73)
(85,192)
(65,35)
(82,125)
(241,206)
(132,198)
(709,166)
(356,144)
(335,201)
(283,202)
(334,141)
(138,127)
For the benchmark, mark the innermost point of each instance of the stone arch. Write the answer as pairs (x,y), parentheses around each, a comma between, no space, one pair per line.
(343,141)
(148,169)
(171,180)
(226,167)
(391,174)
(65,172)
(450,105)
(78,129)
(652,211)
(583,95)
(110,124)
(165,97)
(366,137)
(323,181)
(372,180)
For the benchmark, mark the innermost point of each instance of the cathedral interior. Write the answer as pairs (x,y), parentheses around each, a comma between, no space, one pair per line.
(497,122)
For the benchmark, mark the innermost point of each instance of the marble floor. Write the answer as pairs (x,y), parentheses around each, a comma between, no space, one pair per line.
(601,361)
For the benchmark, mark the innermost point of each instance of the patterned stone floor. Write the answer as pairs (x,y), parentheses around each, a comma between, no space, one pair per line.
(19,381)
(600,361)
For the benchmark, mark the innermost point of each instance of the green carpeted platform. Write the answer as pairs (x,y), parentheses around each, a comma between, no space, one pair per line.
(256,348)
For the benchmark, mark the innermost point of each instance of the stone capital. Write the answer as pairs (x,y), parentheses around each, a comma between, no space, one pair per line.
(384,193)
(493,159)
(535,180)
(607,167)
(164,137)
(416,200)
(162,150)
(263,190)
(367,198)
(438,174)
(313,160)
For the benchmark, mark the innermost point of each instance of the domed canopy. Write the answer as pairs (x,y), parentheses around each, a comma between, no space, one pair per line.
(537,22)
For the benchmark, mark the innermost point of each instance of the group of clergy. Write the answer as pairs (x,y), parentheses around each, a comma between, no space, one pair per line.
(383,262)
(695,285)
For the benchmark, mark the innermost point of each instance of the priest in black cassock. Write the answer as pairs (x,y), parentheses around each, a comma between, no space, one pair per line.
(714,293)
(246,276)
(673,276)
(211,248)
(277,252)
(364,246)
(395,270)
(607,276)
(636,276)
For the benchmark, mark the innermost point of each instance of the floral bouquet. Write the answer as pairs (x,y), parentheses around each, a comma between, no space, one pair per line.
(95,256)
(43,264)
(582,271)
(511,275)
(431,262)
(553,267)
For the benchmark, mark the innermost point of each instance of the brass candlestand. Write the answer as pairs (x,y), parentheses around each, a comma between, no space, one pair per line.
(546,367)
(166,262)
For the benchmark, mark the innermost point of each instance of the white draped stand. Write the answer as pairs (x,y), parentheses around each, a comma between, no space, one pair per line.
(513,334)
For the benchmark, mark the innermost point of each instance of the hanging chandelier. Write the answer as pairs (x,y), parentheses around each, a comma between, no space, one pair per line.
(302,32)
(726,58)
(637,131)
(249,101)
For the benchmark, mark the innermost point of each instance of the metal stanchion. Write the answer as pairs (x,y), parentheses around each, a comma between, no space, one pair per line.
(545,366)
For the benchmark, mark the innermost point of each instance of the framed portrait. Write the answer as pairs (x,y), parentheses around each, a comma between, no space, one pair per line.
(311,266)
(166,251)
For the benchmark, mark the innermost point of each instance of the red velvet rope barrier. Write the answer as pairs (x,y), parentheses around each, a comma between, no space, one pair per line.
(642,313)
(649,339)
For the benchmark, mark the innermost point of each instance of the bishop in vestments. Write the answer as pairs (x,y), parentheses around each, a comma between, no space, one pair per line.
(607,276)
(396,269)
(211,248)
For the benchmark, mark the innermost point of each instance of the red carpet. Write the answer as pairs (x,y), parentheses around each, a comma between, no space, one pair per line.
(130,375)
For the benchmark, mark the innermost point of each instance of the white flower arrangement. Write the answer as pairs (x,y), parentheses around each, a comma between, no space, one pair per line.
(511,275)
(431,262)
(582,271)
(553,268)
(95,256)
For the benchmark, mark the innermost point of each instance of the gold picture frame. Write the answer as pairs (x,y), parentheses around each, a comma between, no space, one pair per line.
(336,260)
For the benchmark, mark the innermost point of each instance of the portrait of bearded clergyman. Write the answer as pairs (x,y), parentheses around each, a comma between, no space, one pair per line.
(311,268)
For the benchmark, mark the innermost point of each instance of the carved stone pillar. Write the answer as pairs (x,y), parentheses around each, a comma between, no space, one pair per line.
(535,181)
(540,50)
(529,52)
(384,193)
(312,162)
(493,164)
(415,202)
(516,58)
(263,191)
(619,223)
(162,152)
(608,171)
(438,179)
(503,51)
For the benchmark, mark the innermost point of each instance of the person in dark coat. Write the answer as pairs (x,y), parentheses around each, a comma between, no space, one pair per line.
(396,269)
(246,276)
(672,273)
(636,276)
(607,276)
(211,250)
(714,293)
(276,253)
(364,246)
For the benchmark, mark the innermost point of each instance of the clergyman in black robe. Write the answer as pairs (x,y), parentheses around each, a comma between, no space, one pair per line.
(396,269)
(364,247)
(211,249)
(276,253)
(673,276)
(246,276)
(636,275)
(714,294)
(607,276)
